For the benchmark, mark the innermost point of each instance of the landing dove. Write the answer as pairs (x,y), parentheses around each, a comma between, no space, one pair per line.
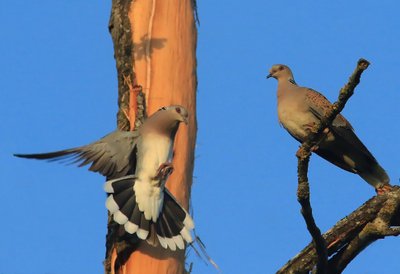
(300,108)
(137,165)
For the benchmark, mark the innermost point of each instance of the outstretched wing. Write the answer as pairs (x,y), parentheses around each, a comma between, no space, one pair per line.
(112,156)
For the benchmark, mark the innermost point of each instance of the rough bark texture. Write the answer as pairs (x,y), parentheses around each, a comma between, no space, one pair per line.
(304,153)
(121,33)
(155,48)
(352,234)
(371,221)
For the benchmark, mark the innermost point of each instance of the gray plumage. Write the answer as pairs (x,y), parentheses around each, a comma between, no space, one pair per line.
(300,108)
(137,165)
(112,156)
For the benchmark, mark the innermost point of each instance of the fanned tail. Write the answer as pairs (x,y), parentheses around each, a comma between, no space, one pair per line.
(172,228)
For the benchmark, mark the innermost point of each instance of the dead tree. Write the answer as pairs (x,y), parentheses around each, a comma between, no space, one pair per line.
(155,53)
(377,218)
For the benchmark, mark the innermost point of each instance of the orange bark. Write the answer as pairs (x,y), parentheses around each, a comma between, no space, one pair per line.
(164,36)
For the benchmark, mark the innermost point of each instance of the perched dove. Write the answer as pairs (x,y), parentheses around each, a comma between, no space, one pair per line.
(300,108)
(137,165)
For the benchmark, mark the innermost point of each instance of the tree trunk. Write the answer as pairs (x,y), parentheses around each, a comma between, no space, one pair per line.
(155,47)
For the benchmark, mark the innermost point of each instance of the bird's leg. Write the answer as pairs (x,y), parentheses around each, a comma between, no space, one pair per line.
(383,189)
(164,171)
(310,127)
(316,146)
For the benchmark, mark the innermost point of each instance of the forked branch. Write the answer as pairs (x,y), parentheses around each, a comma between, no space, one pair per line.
(303,154)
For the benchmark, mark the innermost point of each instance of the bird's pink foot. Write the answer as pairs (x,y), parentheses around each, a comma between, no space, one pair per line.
(164,171)
(383,189)
(310,127)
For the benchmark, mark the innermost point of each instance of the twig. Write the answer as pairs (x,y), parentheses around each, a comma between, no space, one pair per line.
(304,153)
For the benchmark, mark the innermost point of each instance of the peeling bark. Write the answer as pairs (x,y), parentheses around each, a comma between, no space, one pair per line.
(155,52)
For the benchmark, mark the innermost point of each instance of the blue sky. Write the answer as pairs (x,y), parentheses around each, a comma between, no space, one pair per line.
(58,90)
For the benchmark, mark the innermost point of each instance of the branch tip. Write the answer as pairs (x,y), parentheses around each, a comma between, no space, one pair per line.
(363,64)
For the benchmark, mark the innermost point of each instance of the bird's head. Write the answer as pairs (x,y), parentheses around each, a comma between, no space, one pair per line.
(167,119)
(280,72)
(175,113)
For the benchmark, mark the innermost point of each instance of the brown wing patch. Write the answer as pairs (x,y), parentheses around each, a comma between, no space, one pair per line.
(320,105)
(318,101)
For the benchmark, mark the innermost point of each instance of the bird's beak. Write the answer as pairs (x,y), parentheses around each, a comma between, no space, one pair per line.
(269,75)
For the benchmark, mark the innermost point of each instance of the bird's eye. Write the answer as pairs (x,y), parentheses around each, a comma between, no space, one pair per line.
(178,109)
(280,67)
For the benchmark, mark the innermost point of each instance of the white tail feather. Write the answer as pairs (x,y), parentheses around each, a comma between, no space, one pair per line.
(111,205)
(131,227)
(149,199)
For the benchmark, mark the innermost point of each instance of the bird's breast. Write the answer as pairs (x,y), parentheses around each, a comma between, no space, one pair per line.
(295,120)
(154,150)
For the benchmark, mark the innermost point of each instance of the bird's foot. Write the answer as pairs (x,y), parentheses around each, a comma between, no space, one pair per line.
(310,127)
(314,148)
(164,171)
(383,189)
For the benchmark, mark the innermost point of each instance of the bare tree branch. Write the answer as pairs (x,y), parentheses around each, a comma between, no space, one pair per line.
(340,236)
(372,231)
(303,154)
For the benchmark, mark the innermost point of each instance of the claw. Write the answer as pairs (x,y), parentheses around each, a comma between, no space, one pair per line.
(164,171)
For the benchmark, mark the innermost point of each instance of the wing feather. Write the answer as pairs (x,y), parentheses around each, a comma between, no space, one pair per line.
(112,156)
(319,105)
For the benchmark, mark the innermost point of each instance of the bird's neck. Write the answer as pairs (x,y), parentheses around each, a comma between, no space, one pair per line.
(173,130)
(284,85)
(292,81)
